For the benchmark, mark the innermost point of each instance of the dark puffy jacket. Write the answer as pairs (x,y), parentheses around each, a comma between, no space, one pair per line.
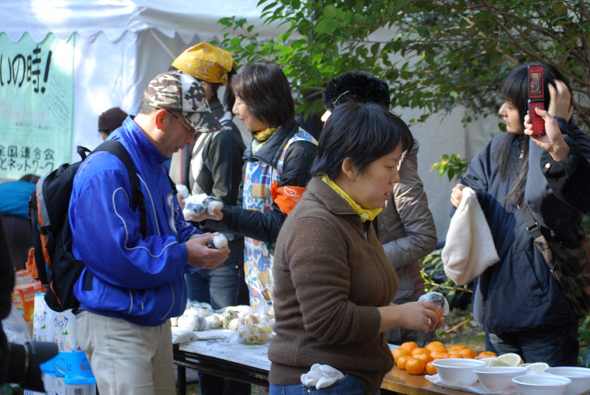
(569,178)
(265,226)
(519,293)
(6,286)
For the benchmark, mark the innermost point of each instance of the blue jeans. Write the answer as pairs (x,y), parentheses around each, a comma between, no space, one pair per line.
(558,347)
(347,386)
(220,287)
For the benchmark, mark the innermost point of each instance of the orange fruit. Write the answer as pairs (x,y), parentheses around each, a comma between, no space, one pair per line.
(410,346)
(398,352)
(468,353)
(455,354)
(437,351)
(436,344)
(457,348)
(420,351)
(415,366)
(401,361)
(431,369)
(487,354)
(443,355)
(425,357)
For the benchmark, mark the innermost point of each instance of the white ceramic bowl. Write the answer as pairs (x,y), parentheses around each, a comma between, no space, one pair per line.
(499,378)
(579,376)
(458,371)
(541,384)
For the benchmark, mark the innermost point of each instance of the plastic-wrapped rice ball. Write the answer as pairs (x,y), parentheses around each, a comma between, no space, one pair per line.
(183,191)
(253,334)
(202,309)
(197,205)
(192,322)
(193,210)
(229,315)
(265,326)
(218,242)
(436,298)
(214,321)
(235,324)
(211,202)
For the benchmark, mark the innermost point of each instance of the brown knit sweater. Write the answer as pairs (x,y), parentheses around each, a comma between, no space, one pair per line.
(329,281)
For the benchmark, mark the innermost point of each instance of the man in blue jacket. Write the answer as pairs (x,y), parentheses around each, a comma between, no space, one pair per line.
(132,285)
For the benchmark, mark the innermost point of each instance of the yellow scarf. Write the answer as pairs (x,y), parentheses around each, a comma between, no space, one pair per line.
(366,214)
(258,139)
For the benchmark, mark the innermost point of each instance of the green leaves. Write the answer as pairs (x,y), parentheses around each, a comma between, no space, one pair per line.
(435,55)
(453,165)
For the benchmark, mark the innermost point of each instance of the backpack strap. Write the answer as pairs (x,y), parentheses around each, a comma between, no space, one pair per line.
(137,199)
(82,151)
(531,225)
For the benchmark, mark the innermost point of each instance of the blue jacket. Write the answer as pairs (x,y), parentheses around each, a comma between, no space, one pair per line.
(141,281)
(14,198)
(519,293)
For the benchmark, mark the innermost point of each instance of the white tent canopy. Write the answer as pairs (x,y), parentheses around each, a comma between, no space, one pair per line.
(114,18)
(120,45)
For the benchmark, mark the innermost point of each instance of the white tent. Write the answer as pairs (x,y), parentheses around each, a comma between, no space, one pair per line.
(122,44)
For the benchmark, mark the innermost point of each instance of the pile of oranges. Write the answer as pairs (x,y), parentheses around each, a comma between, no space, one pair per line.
(416,360)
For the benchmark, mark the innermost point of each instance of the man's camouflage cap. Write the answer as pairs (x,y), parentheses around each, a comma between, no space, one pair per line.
(176,91)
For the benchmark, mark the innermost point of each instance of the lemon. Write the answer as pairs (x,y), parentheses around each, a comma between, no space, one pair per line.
(511,359)
(494,361)
(536,367)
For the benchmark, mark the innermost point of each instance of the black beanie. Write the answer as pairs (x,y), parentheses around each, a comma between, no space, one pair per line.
(356,86)
(111,119)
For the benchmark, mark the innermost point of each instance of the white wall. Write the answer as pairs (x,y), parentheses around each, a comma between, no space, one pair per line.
(438,136)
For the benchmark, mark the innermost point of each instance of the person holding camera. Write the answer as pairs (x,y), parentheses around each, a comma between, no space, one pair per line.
(517,301)
(19,363)
(566,169)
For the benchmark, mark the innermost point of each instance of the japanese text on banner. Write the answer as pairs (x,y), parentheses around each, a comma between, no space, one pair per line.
(36,105)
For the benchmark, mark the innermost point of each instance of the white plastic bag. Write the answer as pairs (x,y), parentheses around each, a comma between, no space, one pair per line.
(15,327)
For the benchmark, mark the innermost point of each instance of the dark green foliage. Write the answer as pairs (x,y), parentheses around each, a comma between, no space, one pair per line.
(436,55)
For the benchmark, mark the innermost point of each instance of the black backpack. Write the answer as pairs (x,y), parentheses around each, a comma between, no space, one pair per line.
(56,267)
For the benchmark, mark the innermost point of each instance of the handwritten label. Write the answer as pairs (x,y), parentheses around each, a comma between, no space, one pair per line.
(36,105)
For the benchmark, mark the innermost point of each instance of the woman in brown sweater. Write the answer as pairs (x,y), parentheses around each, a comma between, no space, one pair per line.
(333,282)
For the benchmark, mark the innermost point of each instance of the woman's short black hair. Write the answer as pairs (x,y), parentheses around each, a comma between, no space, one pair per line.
(515,87)
(266,91)
(358,86)
(363,132)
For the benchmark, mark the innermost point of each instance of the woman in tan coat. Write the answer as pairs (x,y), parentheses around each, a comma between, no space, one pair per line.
(333,282)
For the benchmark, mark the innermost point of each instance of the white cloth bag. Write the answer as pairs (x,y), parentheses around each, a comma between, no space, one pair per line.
(469,249)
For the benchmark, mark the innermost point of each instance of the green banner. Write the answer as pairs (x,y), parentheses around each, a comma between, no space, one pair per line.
(36,105)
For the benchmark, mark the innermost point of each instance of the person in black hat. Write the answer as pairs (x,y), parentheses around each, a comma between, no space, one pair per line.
(110,120)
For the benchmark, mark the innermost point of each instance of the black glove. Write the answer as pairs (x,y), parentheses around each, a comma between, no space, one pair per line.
(24,361)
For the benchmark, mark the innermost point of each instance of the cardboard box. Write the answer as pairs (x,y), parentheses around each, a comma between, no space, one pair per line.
(23,298)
